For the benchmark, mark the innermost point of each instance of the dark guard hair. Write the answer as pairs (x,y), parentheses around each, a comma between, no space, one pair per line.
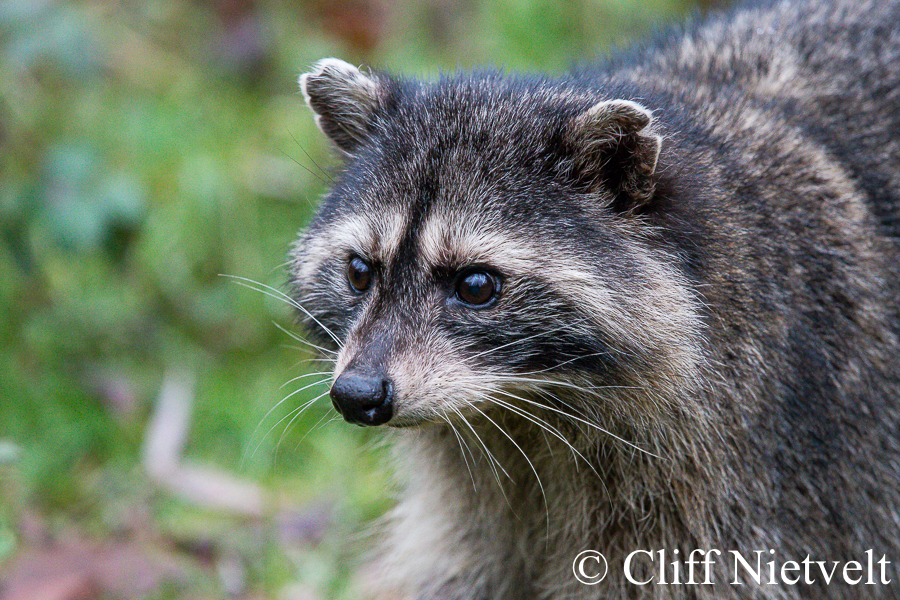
(645,305)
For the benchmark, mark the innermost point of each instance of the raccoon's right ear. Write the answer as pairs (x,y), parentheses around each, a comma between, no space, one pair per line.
(344,99)
(614,145)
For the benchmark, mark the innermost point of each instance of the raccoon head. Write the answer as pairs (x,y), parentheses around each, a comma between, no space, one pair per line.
(483,247)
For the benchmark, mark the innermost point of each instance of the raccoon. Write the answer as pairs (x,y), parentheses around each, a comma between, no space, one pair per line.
(648,305)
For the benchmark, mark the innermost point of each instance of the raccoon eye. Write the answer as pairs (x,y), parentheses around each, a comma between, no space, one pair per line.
(359,274)
(476,288)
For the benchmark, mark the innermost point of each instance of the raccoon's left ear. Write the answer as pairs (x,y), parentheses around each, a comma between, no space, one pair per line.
(614,146)
(344,99)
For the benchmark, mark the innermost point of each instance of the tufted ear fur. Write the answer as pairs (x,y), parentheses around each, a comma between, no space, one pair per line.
(344,99)
(614,146)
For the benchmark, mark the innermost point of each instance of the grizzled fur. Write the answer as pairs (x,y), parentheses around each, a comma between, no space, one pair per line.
(694,343)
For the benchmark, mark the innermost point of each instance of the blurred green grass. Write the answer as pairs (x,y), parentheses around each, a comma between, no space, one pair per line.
(147,149)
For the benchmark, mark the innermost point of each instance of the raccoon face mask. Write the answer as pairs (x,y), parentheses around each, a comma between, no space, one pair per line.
(483,247)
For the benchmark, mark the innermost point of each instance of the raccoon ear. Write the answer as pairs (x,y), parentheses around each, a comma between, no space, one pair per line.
(613,145)
(344,99)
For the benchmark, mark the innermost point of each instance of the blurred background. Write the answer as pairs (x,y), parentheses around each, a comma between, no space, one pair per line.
(156,162)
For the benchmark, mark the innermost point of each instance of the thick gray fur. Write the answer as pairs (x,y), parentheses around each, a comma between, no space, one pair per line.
(696,340)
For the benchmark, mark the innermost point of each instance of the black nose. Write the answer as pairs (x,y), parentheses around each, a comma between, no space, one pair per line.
(363,399)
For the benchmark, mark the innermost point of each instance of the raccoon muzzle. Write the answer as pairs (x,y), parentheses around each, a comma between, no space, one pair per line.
(363,398)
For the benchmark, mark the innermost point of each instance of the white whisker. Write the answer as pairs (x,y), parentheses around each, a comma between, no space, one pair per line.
(577,418)
(492,461)
(538,421)
(279,295)
(462,450)
(297,416)
(525,339)
(304,376)
(525,456)
(302,340)
(301,408)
